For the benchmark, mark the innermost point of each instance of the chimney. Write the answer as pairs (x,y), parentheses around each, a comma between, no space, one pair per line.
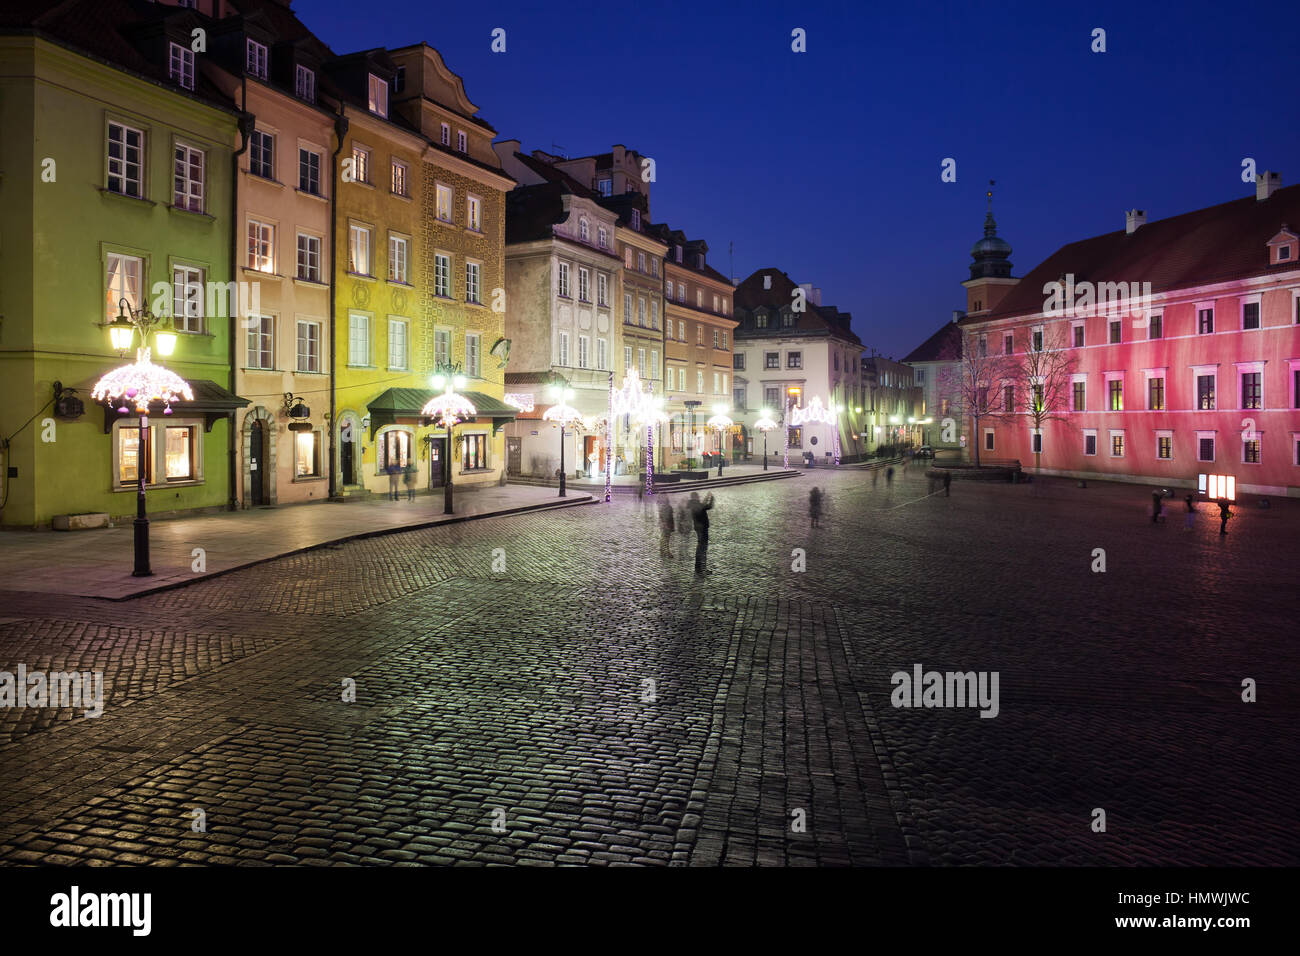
(1133,219)
(1266,184)
(767,282)
(958,315)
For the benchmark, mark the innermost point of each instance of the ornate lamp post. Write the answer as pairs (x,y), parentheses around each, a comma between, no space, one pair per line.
(765,425)
(447,409)
(721,422)
(141,383)
(564,414)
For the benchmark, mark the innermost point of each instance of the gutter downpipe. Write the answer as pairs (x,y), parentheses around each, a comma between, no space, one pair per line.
(340,131)
(246,122)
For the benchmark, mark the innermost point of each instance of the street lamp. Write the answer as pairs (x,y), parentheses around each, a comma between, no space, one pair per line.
(564,414)
(765,425)
(721,422)
(447,409)
(143,383)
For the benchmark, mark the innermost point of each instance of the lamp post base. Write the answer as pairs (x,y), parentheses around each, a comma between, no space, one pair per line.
(142,566)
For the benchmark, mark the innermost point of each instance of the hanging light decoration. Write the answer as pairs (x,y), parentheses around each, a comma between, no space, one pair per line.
(449,408)
(143,383)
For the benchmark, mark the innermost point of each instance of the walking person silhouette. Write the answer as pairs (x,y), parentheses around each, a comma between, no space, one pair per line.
(700,519)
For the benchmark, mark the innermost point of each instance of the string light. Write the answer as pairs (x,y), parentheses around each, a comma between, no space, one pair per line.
(144,383)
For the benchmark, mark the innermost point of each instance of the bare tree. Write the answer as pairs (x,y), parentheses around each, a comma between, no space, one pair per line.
(979,385)
(1045,377)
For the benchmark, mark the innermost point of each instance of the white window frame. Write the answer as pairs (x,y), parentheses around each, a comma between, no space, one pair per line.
(584,351)
(562,284)
(473,213)
(399,259)
(357,230)
(311,254)
(1249,368)
(442,275)
(1212,435)
(256,58)
(187,278)
(462,141)
(180,65)
(1089,433)
(261,154)
(304,83)
(257,325)
(1198,371)
(1110,443)
(265,238)
(442,347)
(1164,433)
(474,281)
(377,95)
(129,173)
(602,355)
(445,198)
(366,325)
(1256,299)
(395,323)
(602,289)
(562,349)
(399,175)
(312,359)
(584,285)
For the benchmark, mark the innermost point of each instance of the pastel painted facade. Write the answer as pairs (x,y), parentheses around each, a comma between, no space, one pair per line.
(937,365)
(1200,376)
(95,211)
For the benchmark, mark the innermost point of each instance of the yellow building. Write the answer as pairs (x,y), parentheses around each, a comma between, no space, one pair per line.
(420,287)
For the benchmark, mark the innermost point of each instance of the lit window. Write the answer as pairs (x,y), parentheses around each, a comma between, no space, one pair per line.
(444,197)
(474,212)
(378,95)
(399,178)
(179,453)
(361,164)
(123,283)
(462,143)
(397,258)
(261,246)
(306,454)
(359,250)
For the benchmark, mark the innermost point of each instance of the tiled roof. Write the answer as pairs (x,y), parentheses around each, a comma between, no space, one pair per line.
(532,212)
(814,320)
(943,346)
(558,176)
(1215,244)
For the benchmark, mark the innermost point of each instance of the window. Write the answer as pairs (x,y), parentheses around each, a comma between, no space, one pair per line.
(738,361)
(261,154)
(1205,392)
(178,453)
(359,250)
(602,237)
(1250,451)
(180,65)
(584,230)
(583,348)
(397,329)
(669,288)
(397,259)
(602,355)
(441,348)
(462,143)
(123,283)
(640,362)
(261,246)
(1036,442)
(398,178)
(308,346)
(1090,443)
(640,311)
(627,309)
(605,187)
(627,257)
(444,203)
(715,338)
(261,341)
(1080,396)
(760,320)
(602,289)
(699,382)
(1116,326)
(1251,389)
(699,298)
(309,171)
(738,397)
(445,137)
(724,345)
(636,224)
(988,439)
(1156,394)
(472,271)
(187,299)
(584,285)
(1205,321)
(309,257)
(1115,388)
(304,83)
(627,358)
(715,383)
(1037,339)
(654,363)
(1038,398)
(1078,336)
(564,279)
(393,448)
(1117,444)
(681,292)
(794,360)
(361,164)
(654,313)
(1164,446)
(255,59)
(128,457)
(1156,327)
(442,275)
(640,261)
(474,213)
(378,98)
(771,359)
(1250,315)
(772,396)
(1007,344)
(681,332)
(125,151)
(654,267)
(564,348)
(358,339)
(474,453)
(1204,448)
(306,454)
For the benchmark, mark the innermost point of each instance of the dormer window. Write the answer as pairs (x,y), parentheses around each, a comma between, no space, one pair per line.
(605,186)
(1284,247)
(636,219)
(699,260)
(446,135)
(180,65)
(399,80)
(677,253)
(584,230)
(255,59)
(462,143)
(378,101)
(304,83)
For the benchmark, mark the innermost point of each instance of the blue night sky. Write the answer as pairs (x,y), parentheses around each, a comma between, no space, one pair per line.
(826,164)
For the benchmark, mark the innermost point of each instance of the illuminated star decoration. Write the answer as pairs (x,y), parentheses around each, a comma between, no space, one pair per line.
(448,408)
(144,383)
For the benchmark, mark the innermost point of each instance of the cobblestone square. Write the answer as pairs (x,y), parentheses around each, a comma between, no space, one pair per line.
(594,704)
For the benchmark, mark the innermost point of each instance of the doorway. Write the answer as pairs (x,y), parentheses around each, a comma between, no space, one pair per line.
(347,451)
(256,463)
(437,448)
(514,457)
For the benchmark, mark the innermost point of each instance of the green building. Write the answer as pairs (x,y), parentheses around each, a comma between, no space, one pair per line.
(115,182)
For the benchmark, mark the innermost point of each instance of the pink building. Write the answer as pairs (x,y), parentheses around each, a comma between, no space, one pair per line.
(1178,342)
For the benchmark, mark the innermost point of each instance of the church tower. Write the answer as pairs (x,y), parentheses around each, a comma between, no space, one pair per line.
(990,274)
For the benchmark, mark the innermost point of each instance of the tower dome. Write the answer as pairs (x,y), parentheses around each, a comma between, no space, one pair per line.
(992,254)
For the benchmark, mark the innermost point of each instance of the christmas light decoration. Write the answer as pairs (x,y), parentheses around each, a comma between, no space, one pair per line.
(523,401)
(449,408)
(142,382)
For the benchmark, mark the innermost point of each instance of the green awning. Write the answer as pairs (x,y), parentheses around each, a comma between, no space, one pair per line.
(405,405)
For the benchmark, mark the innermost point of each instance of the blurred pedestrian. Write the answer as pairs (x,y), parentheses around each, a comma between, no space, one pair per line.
(700,519)
(1156,506)
(947,482)
(1224,515)
(394,469)
(889,477)
(875,476)
(665,528)
(408,475)
(1191,512)
(815,505)
(683,525)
